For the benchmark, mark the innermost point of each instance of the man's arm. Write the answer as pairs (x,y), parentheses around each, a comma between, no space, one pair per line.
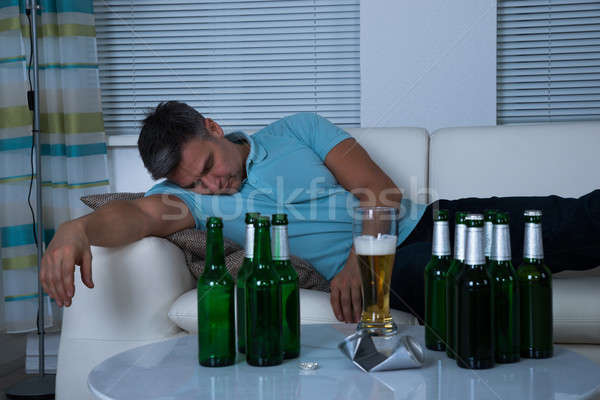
(357,173)
(115,224)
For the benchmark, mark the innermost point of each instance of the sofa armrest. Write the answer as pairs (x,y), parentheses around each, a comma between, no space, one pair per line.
(135,285)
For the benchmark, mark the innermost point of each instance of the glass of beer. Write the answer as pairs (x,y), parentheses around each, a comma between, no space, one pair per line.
(375,237)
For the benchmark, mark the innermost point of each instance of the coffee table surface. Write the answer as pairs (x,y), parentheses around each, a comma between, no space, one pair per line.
(170,370)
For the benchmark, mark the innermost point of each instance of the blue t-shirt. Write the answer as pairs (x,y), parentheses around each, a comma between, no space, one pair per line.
(286,173)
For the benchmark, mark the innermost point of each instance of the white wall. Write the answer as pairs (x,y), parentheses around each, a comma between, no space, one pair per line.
(428,64)
(126,170)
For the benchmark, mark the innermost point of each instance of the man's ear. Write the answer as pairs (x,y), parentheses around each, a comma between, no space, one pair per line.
(213,128)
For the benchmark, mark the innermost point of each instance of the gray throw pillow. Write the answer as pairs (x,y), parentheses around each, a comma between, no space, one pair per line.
(193,244)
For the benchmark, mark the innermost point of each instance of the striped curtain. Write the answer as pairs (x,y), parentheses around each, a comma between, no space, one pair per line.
(73,145)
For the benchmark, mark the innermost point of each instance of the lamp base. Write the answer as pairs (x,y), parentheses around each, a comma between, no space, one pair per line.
(37,387)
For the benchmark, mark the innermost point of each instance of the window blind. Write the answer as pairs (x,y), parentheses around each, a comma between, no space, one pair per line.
(548,60)
(242,63)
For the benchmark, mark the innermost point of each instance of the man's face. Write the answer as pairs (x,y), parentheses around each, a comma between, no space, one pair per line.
(212,165)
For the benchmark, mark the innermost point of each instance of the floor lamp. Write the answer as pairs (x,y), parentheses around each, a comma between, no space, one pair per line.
(40,386)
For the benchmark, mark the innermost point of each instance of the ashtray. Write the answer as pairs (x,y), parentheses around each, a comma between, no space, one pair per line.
(384,354)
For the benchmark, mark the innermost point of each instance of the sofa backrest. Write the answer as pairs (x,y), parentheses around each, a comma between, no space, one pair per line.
(515,160)
(401,153)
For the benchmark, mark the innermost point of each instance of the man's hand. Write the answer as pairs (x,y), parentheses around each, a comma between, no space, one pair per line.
(346,297)
(69,247)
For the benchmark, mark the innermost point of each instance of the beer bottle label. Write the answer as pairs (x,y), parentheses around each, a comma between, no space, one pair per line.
(474,254)
(279,244)
(460,242)
(250,241)
(441,239)
(501,243)
(533,247)
(488,231)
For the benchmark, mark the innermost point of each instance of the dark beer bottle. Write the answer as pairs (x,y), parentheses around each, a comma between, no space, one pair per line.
(263,303)
(488,227)
(475,320)
(435,283)
(505,290)
(535,286)
(216,320)
(460,247)
(290,292)
(243,273)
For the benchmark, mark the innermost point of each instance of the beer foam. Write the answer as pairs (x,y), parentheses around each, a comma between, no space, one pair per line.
(368,245)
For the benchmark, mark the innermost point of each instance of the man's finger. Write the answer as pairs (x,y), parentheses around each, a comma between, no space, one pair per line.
(86,269)
(335,303)
(56,280)
(356,302)
(346,301)
(68,279)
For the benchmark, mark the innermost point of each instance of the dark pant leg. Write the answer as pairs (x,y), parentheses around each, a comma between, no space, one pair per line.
(571,227)
(408,280)
(571,235)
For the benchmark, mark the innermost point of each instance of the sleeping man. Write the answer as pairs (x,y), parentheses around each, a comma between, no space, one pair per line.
(308,168)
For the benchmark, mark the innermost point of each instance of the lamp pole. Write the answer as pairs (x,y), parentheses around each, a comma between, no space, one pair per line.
(40,386)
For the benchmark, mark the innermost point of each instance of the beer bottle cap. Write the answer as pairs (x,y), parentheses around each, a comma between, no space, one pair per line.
(474,217)
(214,222)
(440,215)
(251,217)
(262,221)
(279,219)
(460,217)
(532,213)
(501,218)
(489,215)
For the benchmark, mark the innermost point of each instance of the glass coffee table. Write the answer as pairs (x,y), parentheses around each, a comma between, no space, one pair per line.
(170,370)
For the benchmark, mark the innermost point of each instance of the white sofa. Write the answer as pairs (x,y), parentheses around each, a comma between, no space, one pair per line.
(136,285)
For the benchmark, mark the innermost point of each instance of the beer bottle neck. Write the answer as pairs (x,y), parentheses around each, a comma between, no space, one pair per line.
(279,244)
(441,239)
(500,250)
(215,253)
(474,254)
(249,250)
(460,242)
(488,230)
(533,248)
(262,248)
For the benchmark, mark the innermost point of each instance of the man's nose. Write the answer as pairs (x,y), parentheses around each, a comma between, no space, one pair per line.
(211,183)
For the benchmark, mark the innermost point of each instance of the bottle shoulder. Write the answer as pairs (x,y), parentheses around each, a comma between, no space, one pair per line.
(285,270)
(455,267)
(438,265)
(215,280)
(534,272)
(501,270)
(263,276)
(472,279)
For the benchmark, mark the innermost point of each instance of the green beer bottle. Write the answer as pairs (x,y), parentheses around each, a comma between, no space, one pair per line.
(460,247)
(263,303)
(435,283)
(216,320)
(474,303)
(243,273)
(505,290)
(488,228)
(535,286)
(290,292)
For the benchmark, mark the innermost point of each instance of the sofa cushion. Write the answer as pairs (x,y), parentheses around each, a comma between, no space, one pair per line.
(193,244)
(515,160)
(402,154)
(314,309)
(576,308)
